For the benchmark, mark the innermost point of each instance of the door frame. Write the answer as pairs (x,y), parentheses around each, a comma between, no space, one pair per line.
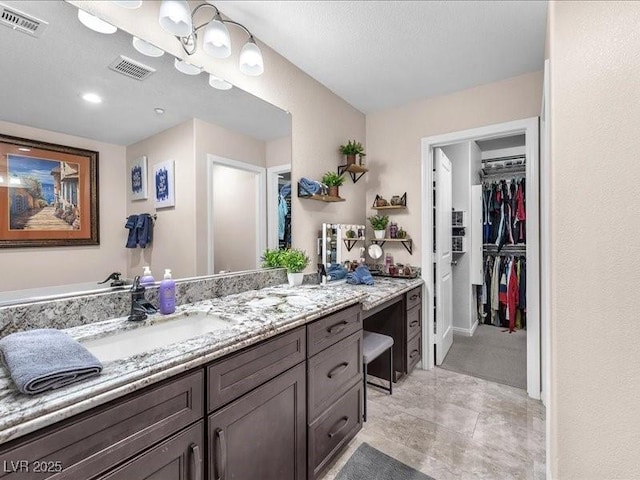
(261,209)
(530,127)
(272,202)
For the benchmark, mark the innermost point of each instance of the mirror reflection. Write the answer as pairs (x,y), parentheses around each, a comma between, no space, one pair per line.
(231,154)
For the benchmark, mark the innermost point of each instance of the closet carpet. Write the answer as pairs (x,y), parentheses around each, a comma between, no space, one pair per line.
(492,353)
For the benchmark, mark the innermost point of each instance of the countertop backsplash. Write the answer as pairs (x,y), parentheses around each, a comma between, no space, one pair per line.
(82,310)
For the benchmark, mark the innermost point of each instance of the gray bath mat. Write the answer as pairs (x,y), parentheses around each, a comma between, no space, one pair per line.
(367,463)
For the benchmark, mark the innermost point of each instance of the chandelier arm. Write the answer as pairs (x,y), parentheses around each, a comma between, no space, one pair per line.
(238,25)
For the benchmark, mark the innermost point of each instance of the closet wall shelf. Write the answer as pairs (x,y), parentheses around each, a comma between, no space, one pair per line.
(406,242)
(355,171)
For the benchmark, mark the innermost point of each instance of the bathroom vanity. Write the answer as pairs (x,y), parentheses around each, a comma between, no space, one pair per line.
(275,394)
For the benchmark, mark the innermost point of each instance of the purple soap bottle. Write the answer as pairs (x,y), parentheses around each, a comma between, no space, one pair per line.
(167,294)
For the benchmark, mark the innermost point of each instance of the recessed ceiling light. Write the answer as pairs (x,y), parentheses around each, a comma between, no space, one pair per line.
(186,67)
(146,48)
(159,110)
(24,149)
(94,23)
(220,84)
(91,98)
(128,3)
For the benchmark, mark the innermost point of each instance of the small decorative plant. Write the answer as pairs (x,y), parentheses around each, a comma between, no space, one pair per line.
(350,150)
(350,234)
(294,260)
(272,258)
(379,222)
(332,179)
(401,233)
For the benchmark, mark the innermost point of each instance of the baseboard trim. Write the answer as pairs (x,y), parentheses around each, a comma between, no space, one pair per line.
(466,331)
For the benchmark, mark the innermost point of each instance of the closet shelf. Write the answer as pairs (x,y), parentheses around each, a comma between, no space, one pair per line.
(486,172)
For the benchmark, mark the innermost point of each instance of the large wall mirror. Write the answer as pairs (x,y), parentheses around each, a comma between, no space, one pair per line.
(240,151)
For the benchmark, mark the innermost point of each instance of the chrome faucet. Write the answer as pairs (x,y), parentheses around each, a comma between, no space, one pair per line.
(140,306)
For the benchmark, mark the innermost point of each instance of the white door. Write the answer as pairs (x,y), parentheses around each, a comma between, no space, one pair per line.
(444,278)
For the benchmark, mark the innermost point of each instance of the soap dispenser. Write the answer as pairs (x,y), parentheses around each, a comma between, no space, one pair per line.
(147,279)
(167,294)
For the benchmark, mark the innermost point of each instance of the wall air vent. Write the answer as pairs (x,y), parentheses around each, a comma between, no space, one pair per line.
(131,68)
(20,21)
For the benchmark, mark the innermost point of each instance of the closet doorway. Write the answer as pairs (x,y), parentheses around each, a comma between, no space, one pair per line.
(485,212)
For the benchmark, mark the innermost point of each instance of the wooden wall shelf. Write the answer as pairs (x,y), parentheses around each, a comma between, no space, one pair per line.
(407,243)
(324,198)
(355,171)
(391,207)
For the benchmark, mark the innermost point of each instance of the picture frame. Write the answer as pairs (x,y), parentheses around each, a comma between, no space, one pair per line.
(137,179)
(164,184)
(48,194)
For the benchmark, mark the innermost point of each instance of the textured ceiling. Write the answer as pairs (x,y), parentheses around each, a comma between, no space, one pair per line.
(43,79)
(381,54)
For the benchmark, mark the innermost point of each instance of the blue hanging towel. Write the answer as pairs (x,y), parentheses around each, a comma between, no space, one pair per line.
(145,230)
(131,225)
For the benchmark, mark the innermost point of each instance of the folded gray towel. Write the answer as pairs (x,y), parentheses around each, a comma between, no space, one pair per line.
(44,359)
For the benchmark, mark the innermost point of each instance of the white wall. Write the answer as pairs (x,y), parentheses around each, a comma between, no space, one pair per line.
(278,151)
(595,249)
(321,121)
(39,267)
(235,217)
(215,140)
(174,236)
(393,138)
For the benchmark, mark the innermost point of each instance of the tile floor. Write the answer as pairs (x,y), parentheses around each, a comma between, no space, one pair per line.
(454,426)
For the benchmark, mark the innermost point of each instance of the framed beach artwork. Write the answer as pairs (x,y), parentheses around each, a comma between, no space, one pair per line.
(164,184)
(48,194)
(137,178)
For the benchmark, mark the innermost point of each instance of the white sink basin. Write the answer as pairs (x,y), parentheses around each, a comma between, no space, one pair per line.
(132,342)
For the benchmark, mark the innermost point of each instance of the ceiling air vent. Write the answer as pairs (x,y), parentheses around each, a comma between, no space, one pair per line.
(131,68)
(20,21)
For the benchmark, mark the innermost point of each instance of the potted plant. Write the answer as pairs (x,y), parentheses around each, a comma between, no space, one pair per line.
(350,233)
(379,224)
(350,150)
(333,181)
(402,234)
(295,261)
(272,258)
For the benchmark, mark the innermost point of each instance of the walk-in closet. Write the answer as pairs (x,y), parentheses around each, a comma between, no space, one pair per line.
(480,200)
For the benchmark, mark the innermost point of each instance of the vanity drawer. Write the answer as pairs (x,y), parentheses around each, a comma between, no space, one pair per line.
(237,374)
(414,297)
(333,429)
(94,442)
(414,322)
(331,329)
(414,352)
(332,372)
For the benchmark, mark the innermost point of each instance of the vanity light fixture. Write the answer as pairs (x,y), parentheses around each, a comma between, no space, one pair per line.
(91,98)
(177,18)
(186,67)
(146,48)
(94,23)
(219,83)
(132,4)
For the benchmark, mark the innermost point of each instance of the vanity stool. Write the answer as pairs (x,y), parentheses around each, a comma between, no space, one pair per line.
(374,345)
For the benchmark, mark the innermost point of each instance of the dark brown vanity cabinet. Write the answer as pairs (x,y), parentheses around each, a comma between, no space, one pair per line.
(413,322)
(334,386)
(260,432)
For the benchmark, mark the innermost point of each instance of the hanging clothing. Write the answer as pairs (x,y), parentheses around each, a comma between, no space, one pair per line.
(282,216)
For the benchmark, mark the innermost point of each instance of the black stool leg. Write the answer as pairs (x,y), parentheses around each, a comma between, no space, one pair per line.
(364,392)
(391,371)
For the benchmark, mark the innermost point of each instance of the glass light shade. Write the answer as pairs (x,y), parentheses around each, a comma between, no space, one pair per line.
(146,48)
(186,67)
(220,84)
(175,17)
(94,23)
(251,62)
(128,3)
(217,41)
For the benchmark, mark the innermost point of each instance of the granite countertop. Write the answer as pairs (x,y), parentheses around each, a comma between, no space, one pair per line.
(252,316)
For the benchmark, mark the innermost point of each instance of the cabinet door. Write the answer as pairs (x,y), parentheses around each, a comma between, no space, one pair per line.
(178,458)
(262,434)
